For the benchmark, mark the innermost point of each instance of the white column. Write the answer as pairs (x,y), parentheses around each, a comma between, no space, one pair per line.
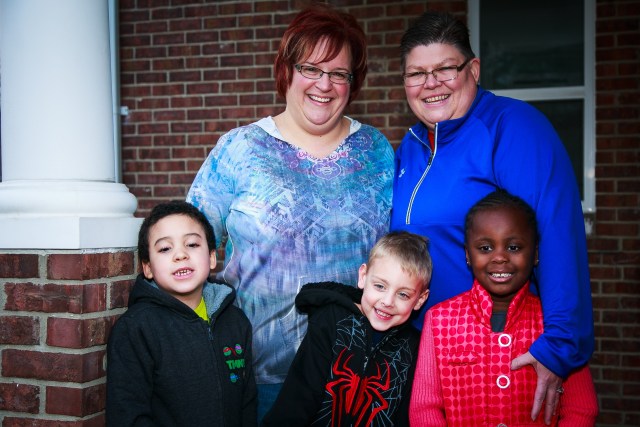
(58,187)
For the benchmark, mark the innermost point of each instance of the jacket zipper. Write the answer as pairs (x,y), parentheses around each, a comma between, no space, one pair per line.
(375,349)
(424,174)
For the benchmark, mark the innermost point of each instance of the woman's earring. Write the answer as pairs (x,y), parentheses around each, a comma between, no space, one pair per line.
(468,263)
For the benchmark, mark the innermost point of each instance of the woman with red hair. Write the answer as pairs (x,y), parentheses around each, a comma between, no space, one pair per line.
(301,196)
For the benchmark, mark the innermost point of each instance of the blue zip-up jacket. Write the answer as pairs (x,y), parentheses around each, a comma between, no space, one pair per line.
(501,143)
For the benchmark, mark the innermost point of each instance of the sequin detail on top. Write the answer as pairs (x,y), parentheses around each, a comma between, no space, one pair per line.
(337,163)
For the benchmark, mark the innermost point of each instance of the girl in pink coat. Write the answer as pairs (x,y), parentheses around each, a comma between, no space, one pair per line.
(463,375)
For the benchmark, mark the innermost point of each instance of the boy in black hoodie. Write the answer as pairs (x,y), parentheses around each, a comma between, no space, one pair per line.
(181,354)
(355,365)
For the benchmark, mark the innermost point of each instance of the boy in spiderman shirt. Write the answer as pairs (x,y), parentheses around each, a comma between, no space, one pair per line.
(355,365)
(463,375)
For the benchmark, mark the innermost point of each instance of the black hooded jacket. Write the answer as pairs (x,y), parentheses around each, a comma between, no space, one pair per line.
(166,366)
(345,373)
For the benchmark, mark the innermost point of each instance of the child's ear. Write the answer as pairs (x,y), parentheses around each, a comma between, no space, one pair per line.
(213,261)
(421,300)
(146,270)
(535,262)
(466,255)
(362,273)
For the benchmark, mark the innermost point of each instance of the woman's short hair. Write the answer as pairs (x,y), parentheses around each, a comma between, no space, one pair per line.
(436,27)
(312,25)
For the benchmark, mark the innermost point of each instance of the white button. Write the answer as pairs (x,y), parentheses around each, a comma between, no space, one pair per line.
(503,381)
(504,340)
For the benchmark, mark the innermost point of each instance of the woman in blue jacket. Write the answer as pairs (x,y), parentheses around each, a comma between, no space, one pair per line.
(468,143)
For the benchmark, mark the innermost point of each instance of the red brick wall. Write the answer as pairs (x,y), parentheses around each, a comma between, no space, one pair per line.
(192,70)
(614,250)
(57,310)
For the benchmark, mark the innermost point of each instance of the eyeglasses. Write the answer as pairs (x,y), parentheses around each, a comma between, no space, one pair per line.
(315,73)
(442,74)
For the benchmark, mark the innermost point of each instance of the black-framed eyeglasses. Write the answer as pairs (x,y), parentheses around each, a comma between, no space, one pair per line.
(315,73)
(442,74)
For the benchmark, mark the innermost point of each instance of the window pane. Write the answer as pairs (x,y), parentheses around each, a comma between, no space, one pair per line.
(567,119)
(531,44)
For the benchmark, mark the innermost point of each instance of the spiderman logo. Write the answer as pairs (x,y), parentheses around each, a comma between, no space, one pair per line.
(353,395)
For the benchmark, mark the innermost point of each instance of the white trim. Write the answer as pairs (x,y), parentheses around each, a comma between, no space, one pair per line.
(589,202)
(68,232)
(544,94)
(114,55)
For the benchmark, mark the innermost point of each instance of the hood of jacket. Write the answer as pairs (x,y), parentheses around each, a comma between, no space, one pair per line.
(217,296)
(314,296)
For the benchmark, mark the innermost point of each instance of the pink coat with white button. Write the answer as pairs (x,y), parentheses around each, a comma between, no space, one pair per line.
(463,375)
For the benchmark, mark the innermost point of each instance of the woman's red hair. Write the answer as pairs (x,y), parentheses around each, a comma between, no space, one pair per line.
(312,25)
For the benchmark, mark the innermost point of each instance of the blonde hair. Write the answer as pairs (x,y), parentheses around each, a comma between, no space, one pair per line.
(411,250)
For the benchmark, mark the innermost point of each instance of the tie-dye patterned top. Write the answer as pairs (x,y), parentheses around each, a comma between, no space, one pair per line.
(289,219)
